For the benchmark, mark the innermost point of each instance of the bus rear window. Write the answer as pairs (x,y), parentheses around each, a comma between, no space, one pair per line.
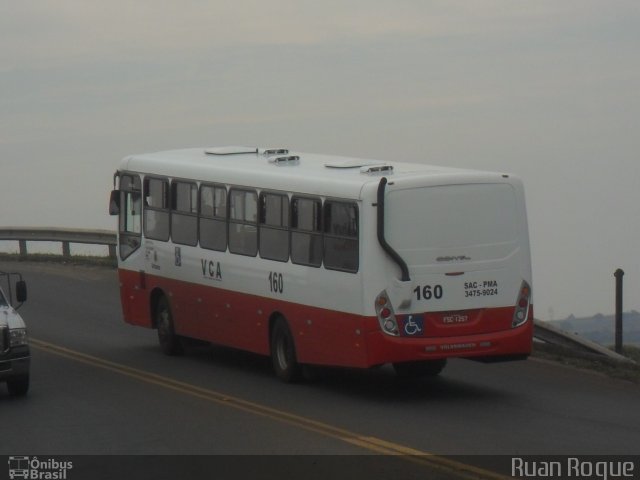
(243,222)
(341,250)
(274,226)
(449,219)
(156,211)
(306,231)
(213,215)
(184,220)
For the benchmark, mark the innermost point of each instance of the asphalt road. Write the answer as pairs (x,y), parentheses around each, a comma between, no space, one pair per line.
(100,386)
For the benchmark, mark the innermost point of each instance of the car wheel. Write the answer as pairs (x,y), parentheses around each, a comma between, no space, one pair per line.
(18,386)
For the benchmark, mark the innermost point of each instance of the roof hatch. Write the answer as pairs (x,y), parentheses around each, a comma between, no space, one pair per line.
(232,150)
(273,151)
(352,163)
(288,160)
(374,169)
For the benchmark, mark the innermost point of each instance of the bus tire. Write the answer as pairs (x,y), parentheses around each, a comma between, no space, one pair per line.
(18,386)
(417,369)
(170,343)
(283,353)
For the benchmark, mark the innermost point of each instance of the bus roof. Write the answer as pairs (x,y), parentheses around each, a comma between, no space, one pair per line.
(281,169)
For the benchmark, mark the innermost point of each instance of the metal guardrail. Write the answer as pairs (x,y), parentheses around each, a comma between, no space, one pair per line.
(66,236)
(549,333)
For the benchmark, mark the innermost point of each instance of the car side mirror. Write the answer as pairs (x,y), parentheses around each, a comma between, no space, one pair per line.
(114,203)
(21,291)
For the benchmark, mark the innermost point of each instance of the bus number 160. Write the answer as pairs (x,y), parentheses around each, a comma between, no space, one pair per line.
(276,283)
(428,292)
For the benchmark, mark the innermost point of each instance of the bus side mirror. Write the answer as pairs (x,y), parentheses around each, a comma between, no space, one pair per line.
(114,203)
(21,291)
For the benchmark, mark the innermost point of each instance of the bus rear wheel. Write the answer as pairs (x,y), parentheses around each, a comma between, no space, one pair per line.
(424,368)
(283,353)
(170,343)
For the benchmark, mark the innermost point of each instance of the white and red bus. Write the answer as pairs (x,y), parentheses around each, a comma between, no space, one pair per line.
(324,260)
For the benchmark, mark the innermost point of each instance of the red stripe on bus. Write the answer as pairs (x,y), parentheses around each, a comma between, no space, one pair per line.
(322,336)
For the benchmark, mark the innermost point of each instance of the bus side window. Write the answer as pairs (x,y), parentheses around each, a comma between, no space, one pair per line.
(130,227)
(213,217)
(274,226)
(243,222)
(156,209)
(184,211)
(306,231)
(341,236)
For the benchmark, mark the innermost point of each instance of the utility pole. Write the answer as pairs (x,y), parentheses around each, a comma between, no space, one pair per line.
(619,274)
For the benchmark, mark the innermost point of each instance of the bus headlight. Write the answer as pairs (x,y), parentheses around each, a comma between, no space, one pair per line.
(386,316)
(17,337)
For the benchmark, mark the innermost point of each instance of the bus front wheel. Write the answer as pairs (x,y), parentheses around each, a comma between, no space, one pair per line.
(283,353)
(170,343)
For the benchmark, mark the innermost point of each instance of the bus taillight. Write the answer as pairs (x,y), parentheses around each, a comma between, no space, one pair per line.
(521,313)
(386,316)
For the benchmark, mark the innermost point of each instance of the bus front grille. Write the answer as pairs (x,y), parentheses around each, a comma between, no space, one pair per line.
(4,339)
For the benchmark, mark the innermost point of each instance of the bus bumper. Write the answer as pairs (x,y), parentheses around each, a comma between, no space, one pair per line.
(505,345)
(14,363)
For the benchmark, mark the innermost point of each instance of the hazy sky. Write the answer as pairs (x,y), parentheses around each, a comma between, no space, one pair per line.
(548,90)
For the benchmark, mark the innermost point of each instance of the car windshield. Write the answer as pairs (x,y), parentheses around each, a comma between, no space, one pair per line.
(3,301)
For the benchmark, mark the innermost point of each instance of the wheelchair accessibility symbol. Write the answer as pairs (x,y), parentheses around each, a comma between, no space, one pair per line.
(413,325)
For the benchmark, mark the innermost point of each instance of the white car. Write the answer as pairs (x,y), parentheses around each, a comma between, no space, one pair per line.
(15,358)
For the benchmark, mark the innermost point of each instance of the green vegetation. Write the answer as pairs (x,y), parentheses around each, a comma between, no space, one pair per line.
(593,362)
(632,352)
